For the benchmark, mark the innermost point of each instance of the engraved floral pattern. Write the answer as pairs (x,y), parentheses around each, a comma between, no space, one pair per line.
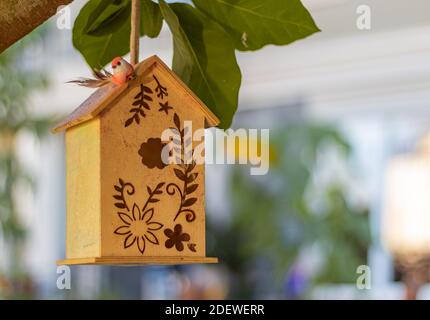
(138,228)
(141,102)
(151,152)
(185,174)
(138,225)
(176,237)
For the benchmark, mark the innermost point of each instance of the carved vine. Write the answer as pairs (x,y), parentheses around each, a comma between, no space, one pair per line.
(121,188)
(185,173)
(142,99)
(160,90)
(140,103)
(138,227)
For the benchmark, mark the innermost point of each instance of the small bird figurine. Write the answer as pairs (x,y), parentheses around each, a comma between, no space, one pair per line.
(122,72)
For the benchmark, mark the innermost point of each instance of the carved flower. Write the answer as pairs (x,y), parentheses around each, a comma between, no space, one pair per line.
(176,237)
(138,228)
(150,152)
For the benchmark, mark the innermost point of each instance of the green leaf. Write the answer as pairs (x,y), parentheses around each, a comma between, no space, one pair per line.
(204,59)
(253,24)
(106,14)
(102,29)
(151,17)
(103,44)
(109,11)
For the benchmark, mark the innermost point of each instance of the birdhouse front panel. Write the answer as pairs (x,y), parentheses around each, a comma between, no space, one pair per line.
(127,202)
(150,208)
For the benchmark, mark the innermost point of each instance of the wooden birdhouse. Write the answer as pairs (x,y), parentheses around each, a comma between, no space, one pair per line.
(125,205)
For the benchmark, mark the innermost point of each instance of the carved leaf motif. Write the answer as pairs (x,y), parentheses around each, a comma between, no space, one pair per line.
(129,122)
(139,95)
(192,247)
(189,202)
(146,89)
(120,205)
(176,121)
(192,188)
(180,174)
(161,91)
(184,174)
(185,130)
(192,177)
(140,103)
(191,166)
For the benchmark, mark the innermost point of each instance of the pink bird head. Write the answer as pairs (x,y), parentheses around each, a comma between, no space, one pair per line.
(117,62)
(122,71)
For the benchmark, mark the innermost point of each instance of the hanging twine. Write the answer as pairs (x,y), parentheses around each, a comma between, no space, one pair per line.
(135,32)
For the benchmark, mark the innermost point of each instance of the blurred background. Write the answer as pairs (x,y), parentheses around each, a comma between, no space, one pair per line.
(348,112)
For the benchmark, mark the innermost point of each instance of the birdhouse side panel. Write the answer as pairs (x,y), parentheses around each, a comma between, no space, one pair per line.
(83,190)
(150,208)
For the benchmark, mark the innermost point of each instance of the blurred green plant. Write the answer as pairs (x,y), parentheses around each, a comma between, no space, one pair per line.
(16,85)
(274,219)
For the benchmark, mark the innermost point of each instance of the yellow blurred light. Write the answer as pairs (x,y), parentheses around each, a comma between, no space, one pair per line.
(241,150)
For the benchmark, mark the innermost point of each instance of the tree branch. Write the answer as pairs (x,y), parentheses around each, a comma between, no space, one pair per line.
(20,17)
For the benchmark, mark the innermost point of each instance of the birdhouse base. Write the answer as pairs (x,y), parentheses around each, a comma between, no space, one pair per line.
(135,261)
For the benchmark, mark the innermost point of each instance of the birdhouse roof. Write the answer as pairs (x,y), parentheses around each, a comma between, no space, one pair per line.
(101,99)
